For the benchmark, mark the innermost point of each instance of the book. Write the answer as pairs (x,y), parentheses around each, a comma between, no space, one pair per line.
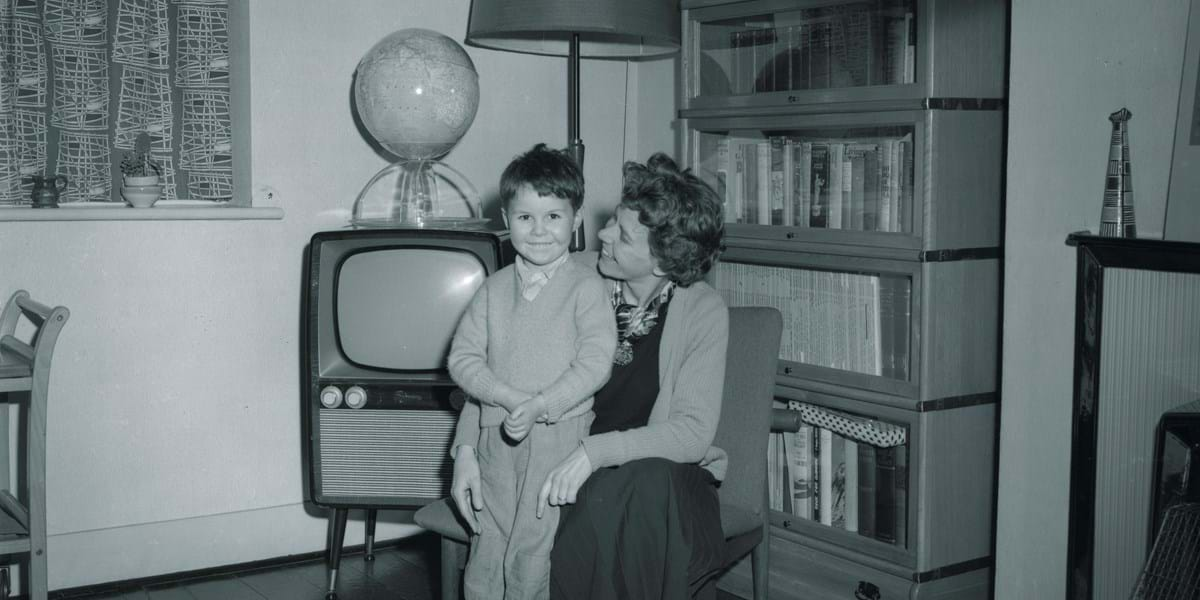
(762,163)
(819,174)
(901,327)
(901,495)
(825,476)
(866,491)
(894,185)
(885,185)
(857,155)
(789,182)
(834,219)
(735,56)
(853,49)
(744,84)
(906,187)
(797,73)
(799,451)
(750,182)
(803,184)
(820,59)
(851,485)
(871,355)
(895,50)
(910,48)
(838,474)
(764,57)
(841,309)
(847,183)
(871,174)
(774,210)
(723,190)
(737,185)
(885,494)
(888,302)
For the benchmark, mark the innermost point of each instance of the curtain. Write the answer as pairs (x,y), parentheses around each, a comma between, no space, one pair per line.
(81,79)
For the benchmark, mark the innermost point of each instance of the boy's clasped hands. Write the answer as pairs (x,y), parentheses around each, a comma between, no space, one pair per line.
(522,416)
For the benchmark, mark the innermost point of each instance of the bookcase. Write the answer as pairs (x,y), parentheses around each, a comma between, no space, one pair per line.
(858,147)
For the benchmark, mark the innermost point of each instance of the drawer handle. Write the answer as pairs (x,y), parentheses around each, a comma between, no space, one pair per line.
(867,591)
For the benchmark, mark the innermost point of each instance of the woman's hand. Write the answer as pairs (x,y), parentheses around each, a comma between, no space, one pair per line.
(465,487)
(565,480)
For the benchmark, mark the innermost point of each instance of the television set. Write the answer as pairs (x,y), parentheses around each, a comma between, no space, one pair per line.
(378,407)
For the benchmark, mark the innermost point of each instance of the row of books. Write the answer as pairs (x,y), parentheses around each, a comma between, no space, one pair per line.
(836,46)
(820,475)
(857,183)
(851,321)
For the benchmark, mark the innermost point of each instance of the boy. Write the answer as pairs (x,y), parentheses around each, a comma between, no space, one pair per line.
(532,348)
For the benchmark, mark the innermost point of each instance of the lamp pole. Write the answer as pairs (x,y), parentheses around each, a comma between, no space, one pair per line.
(574,142)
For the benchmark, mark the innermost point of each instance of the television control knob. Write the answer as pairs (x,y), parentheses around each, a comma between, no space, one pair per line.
(331,396)
(356,397)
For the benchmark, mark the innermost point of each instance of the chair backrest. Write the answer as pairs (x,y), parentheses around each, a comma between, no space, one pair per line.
(37,353)
(753,354)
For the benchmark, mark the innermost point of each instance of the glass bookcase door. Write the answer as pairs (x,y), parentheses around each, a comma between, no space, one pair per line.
(753,49)
(849,178)
(842,474)
(840,326)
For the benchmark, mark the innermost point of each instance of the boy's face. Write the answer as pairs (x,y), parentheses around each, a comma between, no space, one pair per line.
(540,227)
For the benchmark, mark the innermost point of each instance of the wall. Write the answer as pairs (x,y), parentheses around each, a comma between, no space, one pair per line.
(174,420)
(1072,63)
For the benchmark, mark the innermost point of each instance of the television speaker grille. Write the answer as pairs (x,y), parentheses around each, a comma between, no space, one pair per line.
(386,453)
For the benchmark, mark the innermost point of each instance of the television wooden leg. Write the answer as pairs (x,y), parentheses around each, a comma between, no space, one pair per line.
(337,533)
(369,555)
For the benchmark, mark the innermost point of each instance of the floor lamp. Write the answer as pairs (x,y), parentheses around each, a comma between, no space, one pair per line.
(575,29)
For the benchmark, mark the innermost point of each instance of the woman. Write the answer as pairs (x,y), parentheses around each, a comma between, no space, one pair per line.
(641,517)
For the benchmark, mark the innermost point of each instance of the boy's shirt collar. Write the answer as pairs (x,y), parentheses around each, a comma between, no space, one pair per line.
(533,278)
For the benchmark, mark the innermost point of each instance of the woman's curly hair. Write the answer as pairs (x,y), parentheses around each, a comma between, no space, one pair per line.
(682,213)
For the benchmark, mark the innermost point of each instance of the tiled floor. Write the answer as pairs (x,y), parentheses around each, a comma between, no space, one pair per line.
(402,572)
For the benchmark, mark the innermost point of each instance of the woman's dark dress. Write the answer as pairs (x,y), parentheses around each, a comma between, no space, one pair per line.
(647,529)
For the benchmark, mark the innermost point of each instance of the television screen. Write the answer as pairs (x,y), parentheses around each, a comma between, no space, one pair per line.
(397,308)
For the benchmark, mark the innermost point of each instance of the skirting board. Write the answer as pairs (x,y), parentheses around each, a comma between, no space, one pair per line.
(149,549)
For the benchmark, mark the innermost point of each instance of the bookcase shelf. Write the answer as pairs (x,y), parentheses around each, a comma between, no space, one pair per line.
(858,147)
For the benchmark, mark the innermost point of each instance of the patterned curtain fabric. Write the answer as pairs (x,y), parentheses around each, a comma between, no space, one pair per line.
(81,79)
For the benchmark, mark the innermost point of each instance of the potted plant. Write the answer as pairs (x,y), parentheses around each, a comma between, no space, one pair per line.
(141,172)
(138,166)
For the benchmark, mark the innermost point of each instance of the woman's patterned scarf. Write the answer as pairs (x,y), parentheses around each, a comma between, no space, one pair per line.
(633,321)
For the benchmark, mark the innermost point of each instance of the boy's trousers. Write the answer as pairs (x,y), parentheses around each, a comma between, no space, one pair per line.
(512,551)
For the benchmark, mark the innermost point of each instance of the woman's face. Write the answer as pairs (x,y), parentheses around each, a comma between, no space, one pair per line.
(625,249)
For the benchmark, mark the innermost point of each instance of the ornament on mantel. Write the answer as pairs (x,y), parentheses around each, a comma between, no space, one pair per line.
(1116,216)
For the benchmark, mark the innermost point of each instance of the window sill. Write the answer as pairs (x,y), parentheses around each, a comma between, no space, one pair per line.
(164,211)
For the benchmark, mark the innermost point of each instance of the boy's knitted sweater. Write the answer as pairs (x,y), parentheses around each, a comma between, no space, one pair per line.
(561,344)
(691,378)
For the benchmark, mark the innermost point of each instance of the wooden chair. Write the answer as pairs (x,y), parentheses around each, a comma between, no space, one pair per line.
(753,353)
(25,379)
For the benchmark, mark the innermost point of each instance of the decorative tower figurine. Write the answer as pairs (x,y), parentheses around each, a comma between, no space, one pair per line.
(1116,217)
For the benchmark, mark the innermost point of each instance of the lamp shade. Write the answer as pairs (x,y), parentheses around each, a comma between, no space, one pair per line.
(606,28)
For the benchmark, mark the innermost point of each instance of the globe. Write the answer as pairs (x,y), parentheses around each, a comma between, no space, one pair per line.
(416,92)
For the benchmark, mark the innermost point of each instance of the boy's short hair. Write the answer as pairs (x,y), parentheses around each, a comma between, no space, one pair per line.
(547,171)
(682,213)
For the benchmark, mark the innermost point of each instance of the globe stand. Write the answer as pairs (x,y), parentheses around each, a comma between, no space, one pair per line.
(418,193)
